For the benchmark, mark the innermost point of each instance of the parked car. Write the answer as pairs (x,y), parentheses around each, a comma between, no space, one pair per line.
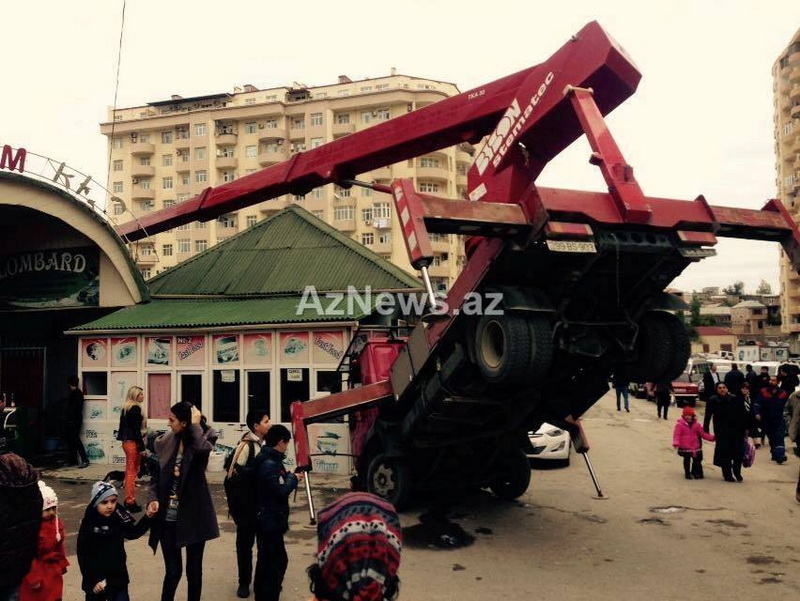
(549,442)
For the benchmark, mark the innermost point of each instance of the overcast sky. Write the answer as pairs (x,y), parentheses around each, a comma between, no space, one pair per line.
(700,123)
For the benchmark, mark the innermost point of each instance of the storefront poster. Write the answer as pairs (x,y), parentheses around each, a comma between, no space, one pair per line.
(226,348)
(120,382)
(94,411)
(330,448)
(294,347)
(257,348)
(191,350)
(94,352)
(328,347)
(159,350)
(123,352)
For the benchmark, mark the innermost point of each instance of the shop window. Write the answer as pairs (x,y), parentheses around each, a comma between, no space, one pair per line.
(226,396)
(258,391)
(329,381)
(159,395)
(95,383)
(191,389)
(295,386)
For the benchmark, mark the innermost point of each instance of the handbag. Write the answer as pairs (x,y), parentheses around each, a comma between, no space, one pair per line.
(749,455)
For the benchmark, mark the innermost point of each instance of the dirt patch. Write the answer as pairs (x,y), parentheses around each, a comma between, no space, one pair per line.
(762,560)
(657,521)
(730,523)
(435,531)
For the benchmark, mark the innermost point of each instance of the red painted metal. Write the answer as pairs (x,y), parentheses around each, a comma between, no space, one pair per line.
(411,211)
(560,229)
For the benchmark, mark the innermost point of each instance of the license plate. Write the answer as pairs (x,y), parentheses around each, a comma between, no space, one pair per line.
(571,246)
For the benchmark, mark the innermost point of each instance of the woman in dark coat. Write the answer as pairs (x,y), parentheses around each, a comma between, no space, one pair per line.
(180,497)
(730,420)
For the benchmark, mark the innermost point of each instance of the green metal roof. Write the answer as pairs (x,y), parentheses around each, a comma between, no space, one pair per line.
(209,313)
(282,255)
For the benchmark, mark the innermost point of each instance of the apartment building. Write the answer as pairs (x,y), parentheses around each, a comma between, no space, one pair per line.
(168,151)
(786,88)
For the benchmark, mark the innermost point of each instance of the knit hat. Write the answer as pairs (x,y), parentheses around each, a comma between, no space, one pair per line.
(49,498)
(101,491)
(360,540)
(687,411)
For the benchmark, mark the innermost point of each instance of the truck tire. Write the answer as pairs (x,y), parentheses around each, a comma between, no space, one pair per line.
(390,478)
(503,348)
(514,476)
(654,345)
(541,333)
(681,345)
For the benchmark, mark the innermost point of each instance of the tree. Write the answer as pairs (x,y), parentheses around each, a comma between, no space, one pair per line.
(764,288)
(695,319)
(735,289)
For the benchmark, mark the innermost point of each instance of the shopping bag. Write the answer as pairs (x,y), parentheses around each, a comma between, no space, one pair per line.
(749,452)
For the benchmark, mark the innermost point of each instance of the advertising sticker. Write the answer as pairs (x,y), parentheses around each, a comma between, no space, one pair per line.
(190,350)
(123,352)
(226,348)
(294,347)
(159,350)
(94,352)
(258,348)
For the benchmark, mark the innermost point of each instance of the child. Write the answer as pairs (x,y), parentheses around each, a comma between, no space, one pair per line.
(101,548)
(45,580)
(687,438)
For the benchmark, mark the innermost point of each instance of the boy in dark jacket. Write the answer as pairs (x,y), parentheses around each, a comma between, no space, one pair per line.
(101,545)
(273,487)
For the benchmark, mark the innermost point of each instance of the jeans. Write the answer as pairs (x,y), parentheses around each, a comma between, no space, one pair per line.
(623,392)
(174,568)
(777,444)
(696,465)
(245,538)
(118,595)
(132,459)
(270,567)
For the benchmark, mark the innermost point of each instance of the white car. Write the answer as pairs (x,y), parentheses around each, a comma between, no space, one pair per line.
(549,442)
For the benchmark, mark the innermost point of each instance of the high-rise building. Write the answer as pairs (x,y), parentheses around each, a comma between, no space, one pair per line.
(786,87)
(168,151)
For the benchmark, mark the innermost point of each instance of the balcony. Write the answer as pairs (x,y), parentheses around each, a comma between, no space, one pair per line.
(183,166)
(440,246)
(433,173)
(439,271)
(226,231)
(181,189)
(270,157)
(271,207)
(345,225)
(226,162)
(146,260)
(143,171)
(382,173)
(271,135)
(142,148)
(343,129)
(382,248)
(139,193)
(226,139)
(382,223)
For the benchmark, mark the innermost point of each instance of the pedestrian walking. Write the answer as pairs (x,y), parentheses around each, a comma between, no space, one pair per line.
(768,409)
(734,379)
(101,544)
(730,426)
(710,380)
(180,499)
(793,410)
(131,431)
(358,550)
(663,397)
(750,376)
(788,379)
(687,438)
(74,423)
(273,487)
(240,490)
(622,387)
(45,579)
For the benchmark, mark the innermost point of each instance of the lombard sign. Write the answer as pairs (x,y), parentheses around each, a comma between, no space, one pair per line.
(48,279)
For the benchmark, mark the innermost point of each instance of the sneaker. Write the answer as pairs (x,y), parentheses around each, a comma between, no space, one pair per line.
(243,592)
(738,477)
(133,507)
(687,476)
(627,410)
(83,465)
(699,476)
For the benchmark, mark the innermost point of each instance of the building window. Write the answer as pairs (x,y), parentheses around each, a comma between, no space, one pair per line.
(184,245)
(366,89)
(169,203)
(384,238)
(144,161)
(227,221)
(249,100)
(117,188)
(251,151)
(367,239)
(119,209)
(271,124)
(344,213)
(166,137)
(201,176)
(382,210)
(343,92)
(200,245)
(185,179)
(185,226)
(226,152)
(144,184)
(146,205)
(319,214)
(250,128)
(144,138)
(271,97)
(341,192)
(343,118)
(299,197)
(166,160)
(316,119)
(366,192)
(166,250)
(249,171)
(376,115)
(199,225)
(366,215)
(298,123)
(428,162)
(317,193)
(382,86)
(228,176)
(200,129)
(298,146)
(146,273)
(182,133)
(116,143)
(428,187)
(316,142)
(200,153)
(166,182)
(251,220)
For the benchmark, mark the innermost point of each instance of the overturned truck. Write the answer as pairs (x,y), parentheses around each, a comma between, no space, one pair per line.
(580,276)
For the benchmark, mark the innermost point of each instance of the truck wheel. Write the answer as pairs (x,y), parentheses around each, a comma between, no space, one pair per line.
(390,478)
(503,348)
(541,347)
(680,342)
(654,348)
(514,476)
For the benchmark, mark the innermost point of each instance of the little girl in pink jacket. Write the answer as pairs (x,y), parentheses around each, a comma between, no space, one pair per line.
(687,438)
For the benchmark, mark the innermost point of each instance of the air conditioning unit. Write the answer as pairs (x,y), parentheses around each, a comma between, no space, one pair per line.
(134,135)
(135,180)
(179,152)
(261,126)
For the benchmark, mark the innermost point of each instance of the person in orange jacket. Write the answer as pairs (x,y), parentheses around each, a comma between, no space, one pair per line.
(45,580)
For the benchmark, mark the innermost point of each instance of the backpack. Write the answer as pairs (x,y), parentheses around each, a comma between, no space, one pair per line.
(239,483)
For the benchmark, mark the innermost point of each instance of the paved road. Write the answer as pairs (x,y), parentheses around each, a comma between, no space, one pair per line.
(657,536)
